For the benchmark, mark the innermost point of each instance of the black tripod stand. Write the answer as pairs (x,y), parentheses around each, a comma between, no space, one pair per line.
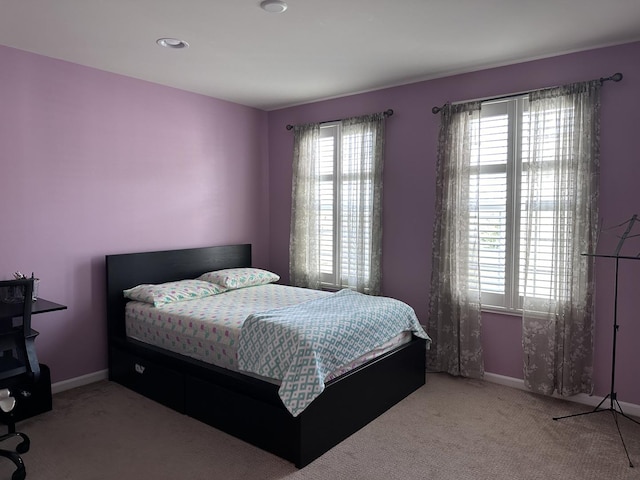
(614,405)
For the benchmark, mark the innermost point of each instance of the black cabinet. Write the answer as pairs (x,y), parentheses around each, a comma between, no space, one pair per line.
(32,398)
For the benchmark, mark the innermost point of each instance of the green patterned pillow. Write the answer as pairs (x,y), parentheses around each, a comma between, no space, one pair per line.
(179,291)
(233,278)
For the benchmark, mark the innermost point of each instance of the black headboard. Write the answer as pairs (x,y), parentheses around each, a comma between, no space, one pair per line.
(130,269)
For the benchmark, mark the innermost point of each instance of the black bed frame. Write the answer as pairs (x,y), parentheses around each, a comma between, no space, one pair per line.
(243,406)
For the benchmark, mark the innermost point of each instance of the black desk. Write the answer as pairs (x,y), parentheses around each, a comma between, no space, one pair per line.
(41,305)
(35,397)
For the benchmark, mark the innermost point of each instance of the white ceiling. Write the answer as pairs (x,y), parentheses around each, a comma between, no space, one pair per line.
(315,50)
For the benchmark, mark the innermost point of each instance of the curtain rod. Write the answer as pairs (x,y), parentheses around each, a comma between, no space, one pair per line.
(386,113)
(616,77)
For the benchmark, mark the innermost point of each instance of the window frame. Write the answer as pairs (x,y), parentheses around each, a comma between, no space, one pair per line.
(329,280)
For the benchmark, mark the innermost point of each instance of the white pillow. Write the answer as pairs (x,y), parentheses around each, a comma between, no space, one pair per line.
(233,278)
(178,291)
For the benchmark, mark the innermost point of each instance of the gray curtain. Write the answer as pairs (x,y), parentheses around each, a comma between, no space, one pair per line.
(558,226)
(454,318)
(361,216)
(304,262)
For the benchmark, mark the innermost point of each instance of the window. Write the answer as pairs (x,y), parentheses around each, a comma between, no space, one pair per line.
(345,188)
(499,184)
(336,227)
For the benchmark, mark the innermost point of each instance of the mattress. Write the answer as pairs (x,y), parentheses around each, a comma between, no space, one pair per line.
(208,329)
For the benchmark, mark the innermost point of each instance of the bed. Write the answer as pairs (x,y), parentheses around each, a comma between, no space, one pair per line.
(243,405)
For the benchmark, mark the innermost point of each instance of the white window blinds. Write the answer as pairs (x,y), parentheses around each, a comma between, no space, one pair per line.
(345,190)
(500,212)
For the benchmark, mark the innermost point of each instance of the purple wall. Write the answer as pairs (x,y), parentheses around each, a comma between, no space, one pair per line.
(93,163)
(409,195)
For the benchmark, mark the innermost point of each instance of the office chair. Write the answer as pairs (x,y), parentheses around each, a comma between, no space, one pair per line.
(18,359)
(7,403)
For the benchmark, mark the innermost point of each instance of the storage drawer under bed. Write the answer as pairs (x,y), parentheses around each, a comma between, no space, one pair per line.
(148,378)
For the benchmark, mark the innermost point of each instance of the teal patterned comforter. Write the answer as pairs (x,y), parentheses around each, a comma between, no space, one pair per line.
(301,344)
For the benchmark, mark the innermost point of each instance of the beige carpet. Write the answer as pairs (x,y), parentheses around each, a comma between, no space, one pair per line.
(451,429)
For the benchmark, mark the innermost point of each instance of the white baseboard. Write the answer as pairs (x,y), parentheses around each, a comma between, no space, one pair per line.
(79,381)
(583,398)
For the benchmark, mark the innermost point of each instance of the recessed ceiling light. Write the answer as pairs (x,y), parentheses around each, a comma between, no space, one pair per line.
(273,6)
(172,43)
